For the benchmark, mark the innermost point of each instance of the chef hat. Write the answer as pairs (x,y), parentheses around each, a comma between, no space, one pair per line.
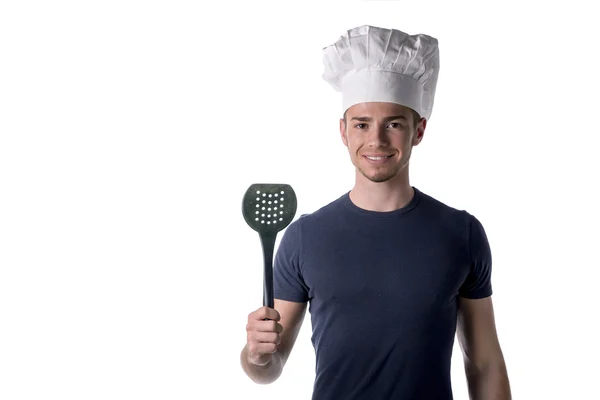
(371,64)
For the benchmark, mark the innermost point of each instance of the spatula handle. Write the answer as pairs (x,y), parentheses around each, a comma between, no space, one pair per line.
(268,247)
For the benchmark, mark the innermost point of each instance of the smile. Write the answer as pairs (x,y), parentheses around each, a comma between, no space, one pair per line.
(377,158)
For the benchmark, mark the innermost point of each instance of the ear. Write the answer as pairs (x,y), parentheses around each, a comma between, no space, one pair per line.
(343,132)
(420,132)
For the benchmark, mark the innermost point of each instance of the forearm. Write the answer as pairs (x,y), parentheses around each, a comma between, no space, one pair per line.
(262,374)
(488,383)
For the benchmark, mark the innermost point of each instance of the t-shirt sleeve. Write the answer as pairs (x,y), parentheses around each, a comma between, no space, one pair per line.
(288,283)
(478,283)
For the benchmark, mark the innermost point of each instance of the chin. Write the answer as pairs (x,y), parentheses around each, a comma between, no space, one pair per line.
(379,177)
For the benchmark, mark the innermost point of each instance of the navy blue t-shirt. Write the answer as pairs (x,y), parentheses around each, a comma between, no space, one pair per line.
(383,290)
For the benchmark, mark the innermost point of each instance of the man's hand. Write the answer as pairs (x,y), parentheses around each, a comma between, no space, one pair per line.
(264,335)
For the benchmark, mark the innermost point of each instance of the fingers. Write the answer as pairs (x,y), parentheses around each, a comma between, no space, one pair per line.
(264,326)
(257,324)
(265,337)
(265,313)
(260,343)
(264,334)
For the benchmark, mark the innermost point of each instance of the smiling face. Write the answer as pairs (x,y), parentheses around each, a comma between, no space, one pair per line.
(380,137)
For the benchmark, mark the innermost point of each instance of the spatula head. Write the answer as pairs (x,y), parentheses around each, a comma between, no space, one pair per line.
(269,207)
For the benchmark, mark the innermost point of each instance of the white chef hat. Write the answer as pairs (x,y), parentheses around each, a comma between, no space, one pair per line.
(371,64)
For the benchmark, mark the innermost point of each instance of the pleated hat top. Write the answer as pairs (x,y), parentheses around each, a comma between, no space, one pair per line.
(373,64)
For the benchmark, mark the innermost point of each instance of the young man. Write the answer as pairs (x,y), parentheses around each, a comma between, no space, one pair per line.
(391,273)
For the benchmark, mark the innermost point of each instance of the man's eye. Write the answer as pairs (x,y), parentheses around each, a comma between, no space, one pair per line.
(395,125)
(359,126)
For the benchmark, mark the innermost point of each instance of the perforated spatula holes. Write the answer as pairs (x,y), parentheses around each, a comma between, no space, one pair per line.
(271,205)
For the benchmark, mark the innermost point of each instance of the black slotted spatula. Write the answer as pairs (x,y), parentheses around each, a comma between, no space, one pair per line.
(268,208)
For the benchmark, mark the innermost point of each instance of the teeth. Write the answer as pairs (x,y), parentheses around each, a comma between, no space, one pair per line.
(376,158)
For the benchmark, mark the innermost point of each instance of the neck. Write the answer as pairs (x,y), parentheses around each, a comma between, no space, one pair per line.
(383,196)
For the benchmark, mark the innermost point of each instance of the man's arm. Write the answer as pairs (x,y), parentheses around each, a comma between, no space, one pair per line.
(269,343)
(484,362)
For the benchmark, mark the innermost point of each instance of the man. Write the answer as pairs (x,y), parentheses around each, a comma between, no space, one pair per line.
(391,273)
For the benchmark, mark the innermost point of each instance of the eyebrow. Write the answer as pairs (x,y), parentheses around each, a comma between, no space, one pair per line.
(368,119)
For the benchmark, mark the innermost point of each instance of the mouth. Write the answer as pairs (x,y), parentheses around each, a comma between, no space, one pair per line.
(377,158)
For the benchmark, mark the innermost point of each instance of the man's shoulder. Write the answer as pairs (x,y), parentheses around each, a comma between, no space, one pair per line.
(444,212)
(436,204)
(324,213)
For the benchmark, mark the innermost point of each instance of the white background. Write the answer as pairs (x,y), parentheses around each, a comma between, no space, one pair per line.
(131,130)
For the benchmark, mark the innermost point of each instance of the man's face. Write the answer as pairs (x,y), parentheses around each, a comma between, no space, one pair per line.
(380,137)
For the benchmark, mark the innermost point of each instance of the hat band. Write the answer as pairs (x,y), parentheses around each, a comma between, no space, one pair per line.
(367,85)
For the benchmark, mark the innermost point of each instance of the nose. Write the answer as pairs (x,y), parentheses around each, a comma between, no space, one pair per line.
(378,136)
